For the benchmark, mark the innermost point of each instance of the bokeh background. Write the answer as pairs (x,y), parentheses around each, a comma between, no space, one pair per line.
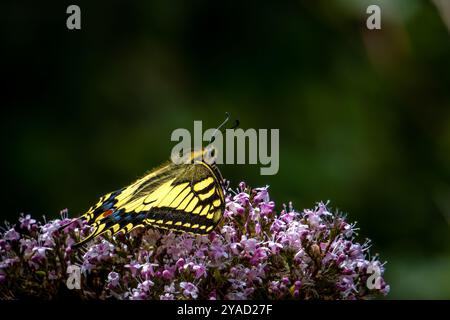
(364,116)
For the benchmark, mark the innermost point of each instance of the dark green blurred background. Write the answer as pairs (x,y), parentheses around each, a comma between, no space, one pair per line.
(364,116)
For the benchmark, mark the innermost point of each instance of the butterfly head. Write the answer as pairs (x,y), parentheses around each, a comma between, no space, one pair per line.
(207,154)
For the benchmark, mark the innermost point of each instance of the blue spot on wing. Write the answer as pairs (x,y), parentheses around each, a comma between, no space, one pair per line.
(117,215)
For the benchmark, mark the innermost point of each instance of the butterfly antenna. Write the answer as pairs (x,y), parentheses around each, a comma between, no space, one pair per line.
(227,117)
(236,124)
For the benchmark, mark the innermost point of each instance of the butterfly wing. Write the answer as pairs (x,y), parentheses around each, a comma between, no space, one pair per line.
(110,202)
(194,203)
(185,197)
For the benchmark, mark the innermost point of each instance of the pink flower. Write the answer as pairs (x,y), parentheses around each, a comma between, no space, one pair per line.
(167,274)
(39,253)
(146,285)
(259,256)
(113,279)
(26,222)
(242,199)
(275,247)
(256,253)
(189,289)
(147,270)
(180,263)
(11,235)
(267,207)
(217,250)
(261,196)
(249,245)
(134,267)
(200,271)
(167,296)
(235,208)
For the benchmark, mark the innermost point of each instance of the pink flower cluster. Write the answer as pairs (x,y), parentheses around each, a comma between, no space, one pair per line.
(255,253)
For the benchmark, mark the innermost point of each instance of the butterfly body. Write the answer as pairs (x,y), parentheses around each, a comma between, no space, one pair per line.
(187,197)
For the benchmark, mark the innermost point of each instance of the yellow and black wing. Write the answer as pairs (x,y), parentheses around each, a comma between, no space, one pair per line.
(183,197)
